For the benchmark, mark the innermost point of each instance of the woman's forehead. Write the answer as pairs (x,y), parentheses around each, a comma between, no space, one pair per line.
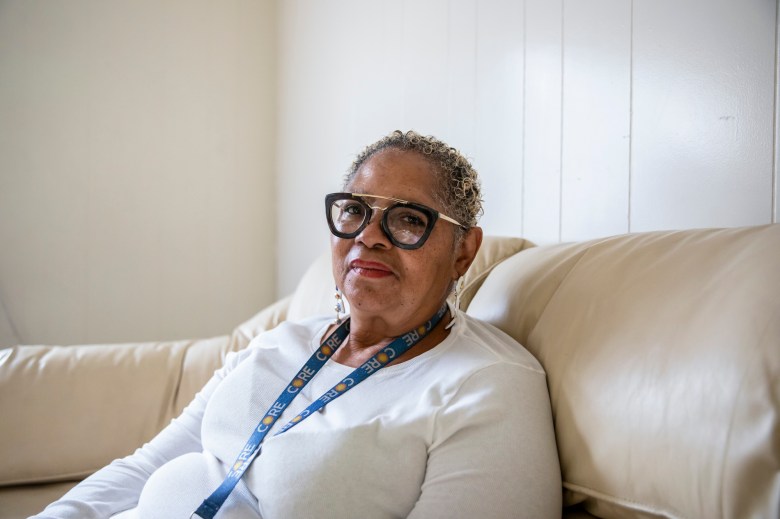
(398,174)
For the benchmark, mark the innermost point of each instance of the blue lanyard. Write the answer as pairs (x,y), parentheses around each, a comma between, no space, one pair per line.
(211,505)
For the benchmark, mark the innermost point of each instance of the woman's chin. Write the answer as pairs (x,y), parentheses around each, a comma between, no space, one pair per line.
(370,305)
(362,301)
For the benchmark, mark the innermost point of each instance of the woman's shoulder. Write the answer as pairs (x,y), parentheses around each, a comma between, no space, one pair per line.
(493,345)
(301,332)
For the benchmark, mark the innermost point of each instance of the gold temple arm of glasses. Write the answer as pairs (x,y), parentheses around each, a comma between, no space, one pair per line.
(441,215)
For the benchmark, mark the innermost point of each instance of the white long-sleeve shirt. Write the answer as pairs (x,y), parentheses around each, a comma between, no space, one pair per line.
(462,430)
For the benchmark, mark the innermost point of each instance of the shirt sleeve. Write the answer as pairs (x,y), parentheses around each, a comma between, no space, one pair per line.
(118,486)
(493,453)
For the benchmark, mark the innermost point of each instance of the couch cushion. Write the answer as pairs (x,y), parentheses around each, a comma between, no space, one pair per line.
(663,364)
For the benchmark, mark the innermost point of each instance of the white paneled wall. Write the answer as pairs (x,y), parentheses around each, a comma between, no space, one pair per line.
(498,146)
(704,104)
(160,162)
(585,119)
(542,146)
(595,127)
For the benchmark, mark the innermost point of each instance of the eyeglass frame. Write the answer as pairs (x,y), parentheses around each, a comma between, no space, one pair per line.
(433,216)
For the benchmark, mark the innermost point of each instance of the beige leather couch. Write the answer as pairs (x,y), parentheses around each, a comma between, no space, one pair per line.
(662,352)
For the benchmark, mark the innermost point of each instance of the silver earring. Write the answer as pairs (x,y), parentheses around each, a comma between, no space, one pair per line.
(339,306)
(458,290)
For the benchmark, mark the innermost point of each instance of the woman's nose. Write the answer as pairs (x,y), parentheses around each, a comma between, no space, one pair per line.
(372,234)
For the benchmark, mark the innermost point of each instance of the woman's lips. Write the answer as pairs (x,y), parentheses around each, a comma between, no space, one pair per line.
(370,269)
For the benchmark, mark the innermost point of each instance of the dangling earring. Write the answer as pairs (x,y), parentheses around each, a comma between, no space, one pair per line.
(458,290)
(339,306)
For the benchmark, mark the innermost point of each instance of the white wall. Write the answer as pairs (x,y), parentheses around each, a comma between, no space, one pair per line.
(156,158)
(585,119)
(136,168)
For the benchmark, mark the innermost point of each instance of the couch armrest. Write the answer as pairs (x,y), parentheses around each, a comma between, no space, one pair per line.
(69,410)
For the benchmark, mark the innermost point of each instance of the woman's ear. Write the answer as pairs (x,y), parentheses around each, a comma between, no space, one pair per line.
(467,250)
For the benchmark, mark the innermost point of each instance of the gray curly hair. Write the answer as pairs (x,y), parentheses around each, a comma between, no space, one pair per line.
(459,187)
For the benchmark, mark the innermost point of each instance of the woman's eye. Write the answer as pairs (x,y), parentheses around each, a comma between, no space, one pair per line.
(352,209)
(413,220)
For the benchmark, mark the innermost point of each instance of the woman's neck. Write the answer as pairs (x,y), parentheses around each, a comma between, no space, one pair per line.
(366,339)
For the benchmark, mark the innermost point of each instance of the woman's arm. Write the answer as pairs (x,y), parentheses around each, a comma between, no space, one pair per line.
(494,453)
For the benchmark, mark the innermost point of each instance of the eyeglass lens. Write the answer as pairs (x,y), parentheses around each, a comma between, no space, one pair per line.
(405,224)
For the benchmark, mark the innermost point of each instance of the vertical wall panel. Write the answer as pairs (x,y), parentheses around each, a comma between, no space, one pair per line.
(542,129)
(425,53)
(703,88)
(462,76)
(372,81)
(596,120)
(498,154)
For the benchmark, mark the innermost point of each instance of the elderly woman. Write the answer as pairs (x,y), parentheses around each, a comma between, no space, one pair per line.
(408,408)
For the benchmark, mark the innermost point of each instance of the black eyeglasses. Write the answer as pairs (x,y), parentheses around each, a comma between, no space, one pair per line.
(406,224)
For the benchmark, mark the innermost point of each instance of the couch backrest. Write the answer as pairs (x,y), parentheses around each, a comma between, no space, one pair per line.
(662,352)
